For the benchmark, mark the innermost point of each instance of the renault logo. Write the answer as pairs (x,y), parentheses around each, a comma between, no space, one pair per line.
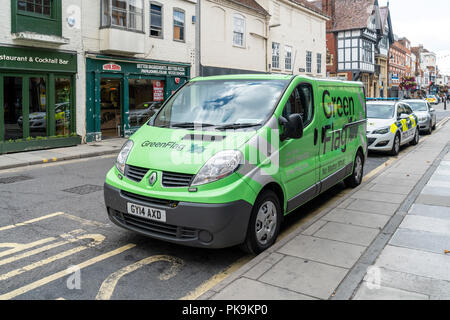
(152,178)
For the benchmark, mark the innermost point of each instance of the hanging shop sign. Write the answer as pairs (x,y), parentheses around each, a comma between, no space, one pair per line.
(158,91)
(112,67)
(35,59)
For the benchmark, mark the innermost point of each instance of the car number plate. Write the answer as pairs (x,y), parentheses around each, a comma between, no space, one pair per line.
(147,212)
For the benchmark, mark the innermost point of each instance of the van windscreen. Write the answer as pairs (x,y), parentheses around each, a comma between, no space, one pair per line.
(221,103)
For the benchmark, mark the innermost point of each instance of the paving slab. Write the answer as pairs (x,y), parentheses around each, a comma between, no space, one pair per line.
(436,289)
(314,227)
(8,162)
(430,211)
(357,218)
(439,183)
(438,191)
(367,292)
(393,181)
(433,200)
(321,250)
(427,224)
(379,196)
(416,262)
(421,240)
(248,289)
(259,269)
(377,207)
(405,190)
(347,233)
(305,277)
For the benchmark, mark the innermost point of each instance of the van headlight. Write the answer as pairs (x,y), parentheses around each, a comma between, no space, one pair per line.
(123,155)
(221,165)
(381,131)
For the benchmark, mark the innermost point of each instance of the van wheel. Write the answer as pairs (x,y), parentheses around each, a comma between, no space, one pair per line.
(415,141)
(396,147)
(264,224)
(358,171)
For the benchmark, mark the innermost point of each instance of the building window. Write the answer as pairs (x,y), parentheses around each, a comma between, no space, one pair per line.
(275,55)
(156,20)
(178,25)
(288,58)
(37,16)
(127,14)
(42,7)
(308,61)
(319,63)
(238,30)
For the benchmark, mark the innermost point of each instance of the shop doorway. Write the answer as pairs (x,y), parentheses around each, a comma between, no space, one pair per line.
(12,91)
(110,107)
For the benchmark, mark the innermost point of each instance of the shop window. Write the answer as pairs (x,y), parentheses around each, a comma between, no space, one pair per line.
(62,106)
(126,14)
(178,25)
(156,20)
(12,90)
(38,107)
(39,16)
(146,98)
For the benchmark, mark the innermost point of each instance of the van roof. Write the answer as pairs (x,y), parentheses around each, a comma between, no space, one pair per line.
(273,76)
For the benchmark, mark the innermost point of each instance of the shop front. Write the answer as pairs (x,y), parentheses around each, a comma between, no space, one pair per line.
(37,99)
(122,94)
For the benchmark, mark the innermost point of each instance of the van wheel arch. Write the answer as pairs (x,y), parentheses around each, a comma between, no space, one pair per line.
(276,188)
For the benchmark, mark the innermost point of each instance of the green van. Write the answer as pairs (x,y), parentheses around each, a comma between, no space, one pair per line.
(227,157)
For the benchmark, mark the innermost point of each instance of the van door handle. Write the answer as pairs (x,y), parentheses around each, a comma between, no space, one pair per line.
(316,136)
(324,131)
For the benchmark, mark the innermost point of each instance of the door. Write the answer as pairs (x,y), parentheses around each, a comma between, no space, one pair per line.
(298,157)
(405,123)
(110,107)
(13,109)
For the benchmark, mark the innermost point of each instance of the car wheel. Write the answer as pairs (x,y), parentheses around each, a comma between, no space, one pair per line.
(430,127)
(264,224)
(358,171)
(415,141)
(396,146)
(434,126)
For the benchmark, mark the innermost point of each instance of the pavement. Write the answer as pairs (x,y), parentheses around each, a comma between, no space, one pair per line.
(93,149)
(386,239)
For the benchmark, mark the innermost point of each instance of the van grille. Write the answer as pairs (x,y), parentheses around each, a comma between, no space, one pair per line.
(154,227)
(135,173)
(149,200)
(171,179)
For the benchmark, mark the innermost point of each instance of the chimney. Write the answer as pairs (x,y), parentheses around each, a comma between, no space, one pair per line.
(329,7)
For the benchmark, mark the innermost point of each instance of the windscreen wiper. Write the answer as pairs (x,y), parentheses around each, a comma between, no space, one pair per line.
(238,126)
(191,125)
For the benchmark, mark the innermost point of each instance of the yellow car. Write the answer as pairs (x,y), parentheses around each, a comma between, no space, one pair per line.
(432,99)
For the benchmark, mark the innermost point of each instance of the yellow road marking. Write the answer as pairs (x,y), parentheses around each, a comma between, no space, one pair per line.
(110,283)
(17,247)
(98,238)
(61,274)
(31,221)
(85,221)
(42,249)
(215,279)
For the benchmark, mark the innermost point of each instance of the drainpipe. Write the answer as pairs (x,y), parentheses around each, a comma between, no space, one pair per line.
(197,38)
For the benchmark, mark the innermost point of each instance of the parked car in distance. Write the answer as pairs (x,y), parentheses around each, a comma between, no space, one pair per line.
(425,113)
(390,124)
(143,111)
(432,99)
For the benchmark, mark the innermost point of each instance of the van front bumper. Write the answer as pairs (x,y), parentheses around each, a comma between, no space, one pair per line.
(191,224)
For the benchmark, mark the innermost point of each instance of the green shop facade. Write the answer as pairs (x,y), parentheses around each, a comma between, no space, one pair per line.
(37,99)
(123,93)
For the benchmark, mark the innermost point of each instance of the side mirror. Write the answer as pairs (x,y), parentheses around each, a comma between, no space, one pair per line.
(293,127)
(432,110)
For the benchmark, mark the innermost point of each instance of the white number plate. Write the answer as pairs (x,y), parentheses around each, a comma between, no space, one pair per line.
(147,212)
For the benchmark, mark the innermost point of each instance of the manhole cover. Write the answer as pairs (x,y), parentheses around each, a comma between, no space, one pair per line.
(85,189)
(14,179)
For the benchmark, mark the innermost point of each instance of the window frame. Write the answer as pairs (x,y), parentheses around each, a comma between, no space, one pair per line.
(108,24)
(38,15)
(24,21)
(290,58)
(297,88)
(308,61)
(319,63)
(184,24)
(161,36)
(239,16)
(278,56)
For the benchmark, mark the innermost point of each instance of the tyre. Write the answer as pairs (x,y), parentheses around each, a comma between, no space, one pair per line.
(358,171)
(415,141)
(434,127)
(264,224)
(396,146)
(430,127)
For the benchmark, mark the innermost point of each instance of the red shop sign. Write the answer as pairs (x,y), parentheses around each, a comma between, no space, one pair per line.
(112,67)
(158,91)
